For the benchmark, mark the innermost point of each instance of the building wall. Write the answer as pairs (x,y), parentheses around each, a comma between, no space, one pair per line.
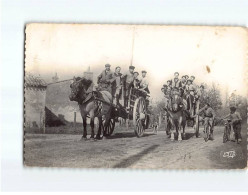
(34,108)
(57,101)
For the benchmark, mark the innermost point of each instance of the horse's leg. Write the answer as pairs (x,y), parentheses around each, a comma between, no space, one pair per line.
(85,130)
(172,129)
(98,136)
(179,128)
(92,117)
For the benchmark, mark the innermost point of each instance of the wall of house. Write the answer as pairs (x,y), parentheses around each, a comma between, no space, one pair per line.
(34,108)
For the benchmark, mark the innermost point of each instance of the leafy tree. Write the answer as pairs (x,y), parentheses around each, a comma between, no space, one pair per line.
(212,95)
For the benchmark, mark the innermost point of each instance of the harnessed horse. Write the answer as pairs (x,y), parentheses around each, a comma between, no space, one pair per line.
(91,106)
(177,116)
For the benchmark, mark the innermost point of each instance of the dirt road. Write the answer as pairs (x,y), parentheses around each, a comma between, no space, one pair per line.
(124,150)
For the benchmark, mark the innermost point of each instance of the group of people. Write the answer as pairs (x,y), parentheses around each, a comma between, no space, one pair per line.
(117,82)
(185,87)
(189,93)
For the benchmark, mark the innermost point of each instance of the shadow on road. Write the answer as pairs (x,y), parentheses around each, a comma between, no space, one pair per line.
(189,135)
(132,159)
(126,135)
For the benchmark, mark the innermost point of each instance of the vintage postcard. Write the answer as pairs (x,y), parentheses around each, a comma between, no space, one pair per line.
(135,96)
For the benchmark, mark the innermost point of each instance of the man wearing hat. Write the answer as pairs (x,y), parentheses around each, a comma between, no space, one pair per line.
(128,79)
(144,82)
(208,117)
(200,93)
(176,75)
(169,83)
(117,85)
(105,79)
(183,82)
(190,91)
(176,83)
(192,78)
(236,119)
(136,81)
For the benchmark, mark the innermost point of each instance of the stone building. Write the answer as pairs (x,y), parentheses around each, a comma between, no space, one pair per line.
(34,103)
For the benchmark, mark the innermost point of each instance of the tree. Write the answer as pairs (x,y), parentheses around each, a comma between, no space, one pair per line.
(212,95)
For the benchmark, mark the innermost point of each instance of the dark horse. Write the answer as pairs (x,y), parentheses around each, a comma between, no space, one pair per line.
(92,104)
(177,116)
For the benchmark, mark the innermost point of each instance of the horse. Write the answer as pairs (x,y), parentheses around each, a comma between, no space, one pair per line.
(177,116)
(82,92)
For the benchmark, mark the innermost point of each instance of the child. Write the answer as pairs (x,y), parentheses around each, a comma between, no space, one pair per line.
(236,122)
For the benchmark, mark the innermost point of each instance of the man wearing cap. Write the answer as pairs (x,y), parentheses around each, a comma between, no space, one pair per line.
(183,82)
(105,79)
(136,81)
(208,117)
(192,78)
(128,79)
(176,83)
(144,82)
(176,75)
(117,85)
(236,119)
(190,91)
(200,93)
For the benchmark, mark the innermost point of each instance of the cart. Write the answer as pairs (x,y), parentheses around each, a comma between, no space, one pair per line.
(135,110)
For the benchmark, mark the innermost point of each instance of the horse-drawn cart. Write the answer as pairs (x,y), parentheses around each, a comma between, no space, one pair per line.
(99,103)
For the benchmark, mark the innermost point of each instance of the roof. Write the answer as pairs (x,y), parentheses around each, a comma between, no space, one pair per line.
(34,81)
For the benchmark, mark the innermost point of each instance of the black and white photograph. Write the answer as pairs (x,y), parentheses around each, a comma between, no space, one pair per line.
(135,96)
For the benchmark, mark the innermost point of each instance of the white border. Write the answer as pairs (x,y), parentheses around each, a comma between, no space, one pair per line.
(16,13)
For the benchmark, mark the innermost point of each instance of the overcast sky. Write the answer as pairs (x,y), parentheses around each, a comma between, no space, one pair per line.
(161,50)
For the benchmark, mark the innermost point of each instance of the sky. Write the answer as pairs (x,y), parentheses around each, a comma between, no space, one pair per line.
(69,49)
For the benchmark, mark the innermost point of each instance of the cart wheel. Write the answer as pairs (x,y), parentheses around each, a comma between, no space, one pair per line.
(197,126)
(139,116)
(110,128)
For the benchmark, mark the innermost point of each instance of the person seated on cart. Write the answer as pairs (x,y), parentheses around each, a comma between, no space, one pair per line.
(144,84)
(117,85)
(236,119)
(200,92)
(105,79)
(176,75)
(190,92)
(176,83)
(136,81)
(208,117)
(128,79)
(186,77)
(183,82)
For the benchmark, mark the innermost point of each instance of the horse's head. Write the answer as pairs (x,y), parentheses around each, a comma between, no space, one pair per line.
(79,87)
(175,102)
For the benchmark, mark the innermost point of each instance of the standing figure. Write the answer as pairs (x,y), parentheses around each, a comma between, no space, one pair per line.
(176,83)
(105,79)
(236,123)
(136,81)
(117,85)
(183,82)
(190,91)
(144,82)
(128,82)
